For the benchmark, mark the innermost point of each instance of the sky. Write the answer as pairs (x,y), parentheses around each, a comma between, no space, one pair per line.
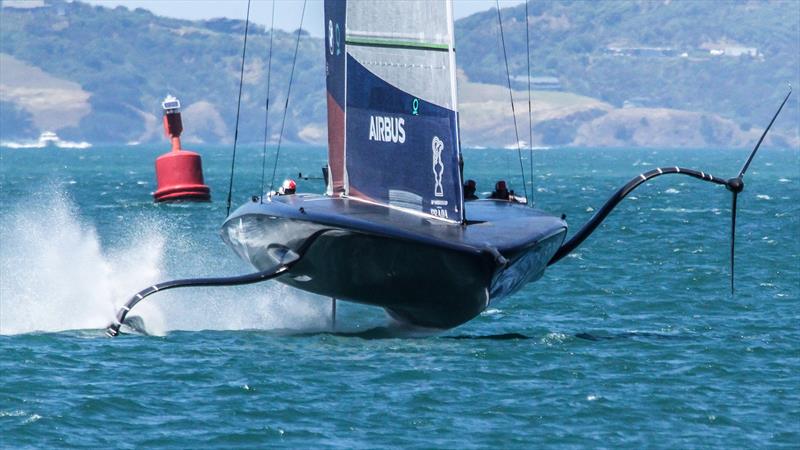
(287,12)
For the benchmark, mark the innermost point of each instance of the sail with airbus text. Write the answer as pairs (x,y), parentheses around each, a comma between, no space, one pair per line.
(392,109)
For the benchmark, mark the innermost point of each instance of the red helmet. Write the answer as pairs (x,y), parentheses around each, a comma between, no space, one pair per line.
(289,184)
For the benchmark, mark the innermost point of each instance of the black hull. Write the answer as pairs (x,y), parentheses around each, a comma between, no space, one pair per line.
(424,274)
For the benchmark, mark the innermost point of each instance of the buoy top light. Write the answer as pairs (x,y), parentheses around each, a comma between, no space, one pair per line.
(173,126)
(170,103)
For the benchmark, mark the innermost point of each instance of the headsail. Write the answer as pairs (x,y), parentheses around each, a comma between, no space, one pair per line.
(398,133)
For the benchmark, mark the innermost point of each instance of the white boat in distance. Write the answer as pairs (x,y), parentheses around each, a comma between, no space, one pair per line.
(46,139)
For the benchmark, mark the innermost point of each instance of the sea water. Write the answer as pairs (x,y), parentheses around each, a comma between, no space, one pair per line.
(633,340)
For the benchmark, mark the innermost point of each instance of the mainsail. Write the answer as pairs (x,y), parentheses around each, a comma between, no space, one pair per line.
(392,110)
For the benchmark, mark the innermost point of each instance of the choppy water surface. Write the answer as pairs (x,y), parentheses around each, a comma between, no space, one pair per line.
(634,340)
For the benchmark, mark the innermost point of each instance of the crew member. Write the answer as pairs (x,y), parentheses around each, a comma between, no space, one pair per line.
(469,190)
(288,187)
(500,191)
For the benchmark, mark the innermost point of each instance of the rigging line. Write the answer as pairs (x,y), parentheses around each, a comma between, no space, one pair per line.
(238,109)
(530,109)
(288,94)
(511,96)
(266,114)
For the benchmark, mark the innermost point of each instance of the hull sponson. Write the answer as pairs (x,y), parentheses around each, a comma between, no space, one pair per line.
(432,277)
(422,285)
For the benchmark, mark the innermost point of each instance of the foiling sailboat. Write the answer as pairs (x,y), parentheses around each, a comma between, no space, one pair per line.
(393,229)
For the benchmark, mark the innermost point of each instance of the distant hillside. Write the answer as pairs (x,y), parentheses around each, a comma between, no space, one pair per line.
(727,61)
(129,60)
(613,73)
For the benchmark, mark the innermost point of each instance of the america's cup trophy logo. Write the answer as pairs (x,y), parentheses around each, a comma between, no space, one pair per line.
(438,165)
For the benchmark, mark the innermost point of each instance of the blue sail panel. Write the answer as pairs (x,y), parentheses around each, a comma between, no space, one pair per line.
(402,150)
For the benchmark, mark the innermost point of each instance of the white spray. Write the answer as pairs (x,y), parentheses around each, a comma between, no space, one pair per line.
(55,275)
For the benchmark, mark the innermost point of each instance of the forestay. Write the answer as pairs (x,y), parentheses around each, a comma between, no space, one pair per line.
(392,109)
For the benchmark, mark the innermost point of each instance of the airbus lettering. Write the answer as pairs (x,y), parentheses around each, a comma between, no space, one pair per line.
(387,129)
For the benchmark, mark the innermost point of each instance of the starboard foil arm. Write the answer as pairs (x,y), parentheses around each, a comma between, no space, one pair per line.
(286,257)
(735,185)
(289,259)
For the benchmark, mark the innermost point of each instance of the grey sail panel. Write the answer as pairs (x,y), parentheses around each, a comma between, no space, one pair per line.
(407,44)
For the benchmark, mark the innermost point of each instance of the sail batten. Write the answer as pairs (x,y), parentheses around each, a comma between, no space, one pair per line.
(399,143)
(380,41)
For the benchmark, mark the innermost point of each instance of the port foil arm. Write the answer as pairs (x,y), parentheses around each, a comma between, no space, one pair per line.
(618,196)
(735,185)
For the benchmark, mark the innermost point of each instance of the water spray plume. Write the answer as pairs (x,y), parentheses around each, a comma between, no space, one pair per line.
(55,275)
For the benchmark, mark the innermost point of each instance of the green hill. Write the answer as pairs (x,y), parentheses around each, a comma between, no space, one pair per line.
(731,58)
(619,73)
(129,60)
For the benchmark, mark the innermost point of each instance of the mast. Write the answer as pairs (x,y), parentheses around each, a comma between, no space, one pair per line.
(335,75)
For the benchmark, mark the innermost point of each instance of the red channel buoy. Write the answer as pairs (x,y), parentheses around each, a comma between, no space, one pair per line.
(179,172)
